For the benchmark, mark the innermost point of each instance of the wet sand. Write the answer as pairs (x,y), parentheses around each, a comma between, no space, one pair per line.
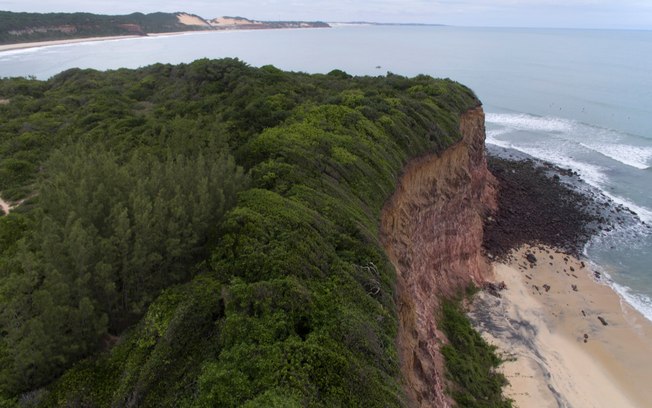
(560,354)
(20,46)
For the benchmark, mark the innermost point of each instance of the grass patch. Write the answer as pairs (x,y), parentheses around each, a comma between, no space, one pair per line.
(471,362)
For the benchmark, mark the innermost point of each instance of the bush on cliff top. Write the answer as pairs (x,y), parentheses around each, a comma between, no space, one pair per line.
(147,270)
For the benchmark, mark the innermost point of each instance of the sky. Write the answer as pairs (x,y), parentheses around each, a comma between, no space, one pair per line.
(626,14)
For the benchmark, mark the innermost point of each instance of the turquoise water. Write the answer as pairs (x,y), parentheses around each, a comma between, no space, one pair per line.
(578,98)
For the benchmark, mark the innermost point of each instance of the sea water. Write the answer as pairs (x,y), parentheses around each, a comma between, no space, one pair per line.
(581,99)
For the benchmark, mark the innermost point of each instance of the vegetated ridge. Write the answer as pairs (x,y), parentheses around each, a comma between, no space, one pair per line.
(208,234)
(31,27)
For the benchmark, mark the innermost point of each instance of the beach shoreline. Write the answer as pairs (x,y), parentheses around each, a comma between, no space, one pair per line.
(39,44)
(549,325)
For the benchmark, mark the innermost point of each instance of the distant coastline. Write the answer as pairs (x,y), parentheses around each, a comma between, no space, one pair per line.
(36,44)
(372,23)
(27,30)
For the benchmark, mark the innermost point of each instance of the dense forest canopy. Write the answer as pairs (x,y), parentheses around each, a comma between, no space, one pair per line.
(206,234)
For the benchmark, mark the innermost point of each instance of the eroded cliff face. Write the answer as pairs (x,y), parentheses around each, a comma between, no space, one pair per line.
(432,232)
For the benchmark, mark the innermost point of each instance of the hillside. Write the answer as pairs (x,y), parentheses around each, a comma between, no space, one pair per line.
(32,27)
(208,234)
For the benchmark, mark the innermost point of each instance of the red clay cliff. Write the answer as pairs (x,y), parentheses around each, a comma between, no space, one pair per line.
(432,230)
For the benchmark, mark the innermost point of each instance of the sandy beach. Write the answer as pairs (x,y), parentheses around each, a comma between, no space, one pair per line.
(20,46)
(549,323)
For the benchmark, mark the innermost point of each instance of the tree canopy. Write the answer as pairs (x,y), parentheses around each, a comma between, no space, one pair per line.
(206,234)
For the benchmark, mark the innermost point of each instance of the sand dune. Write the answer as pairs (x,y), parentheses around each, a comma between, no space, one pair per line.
(191,20)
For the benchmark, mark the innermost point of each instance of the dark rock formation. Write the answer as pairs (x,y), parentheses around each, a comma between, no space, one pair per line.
(535,207)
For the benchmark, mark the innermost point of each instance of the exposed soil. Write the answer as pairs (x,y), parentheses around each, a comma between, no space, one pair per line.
(431,229)
(5,207)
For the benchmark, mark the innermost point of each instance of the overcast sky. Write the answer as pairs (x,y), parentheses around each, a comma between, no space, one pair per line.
(512,13)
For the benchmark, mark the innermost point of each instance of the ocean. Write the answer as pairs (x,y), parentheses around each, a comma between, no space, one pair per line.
(581,99)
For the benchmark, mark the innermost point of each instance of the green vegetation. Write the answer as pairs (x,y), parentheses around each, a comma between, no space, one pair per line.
(206,234)
(471,362)
(26,27)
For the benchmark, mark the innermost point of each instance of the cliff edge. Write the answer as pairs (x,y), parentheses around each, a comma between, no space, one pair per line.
(432,231)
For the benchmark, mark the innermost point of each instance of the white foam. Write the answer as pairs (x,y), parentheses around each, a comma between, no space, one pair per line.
(644,213)
(492,133)
(558,149)
(638,301)
(522,121)
(10,54)
(491,138)
(561,140)
(500,143)
(591,174)
(54,46)
(633,156)
(607,142)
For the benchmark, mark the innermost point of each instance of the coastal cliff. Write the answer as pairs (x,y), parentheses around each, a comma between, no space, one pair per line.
(432,231)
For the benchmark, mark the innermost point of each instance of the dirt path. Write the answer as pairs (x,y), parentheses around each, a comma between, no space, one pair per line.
(6,207)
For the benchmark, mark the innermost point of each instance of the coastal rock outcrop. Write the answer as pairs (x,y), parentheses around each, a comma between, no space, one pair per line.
(432,231)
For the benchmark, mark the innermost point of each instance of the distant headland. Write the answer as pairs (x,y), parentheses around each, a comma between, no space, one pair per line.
(373,23)
(19,28)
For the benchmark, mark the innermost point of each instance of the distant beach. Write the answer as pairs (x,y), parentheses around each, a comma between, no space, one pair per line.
(21,46)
